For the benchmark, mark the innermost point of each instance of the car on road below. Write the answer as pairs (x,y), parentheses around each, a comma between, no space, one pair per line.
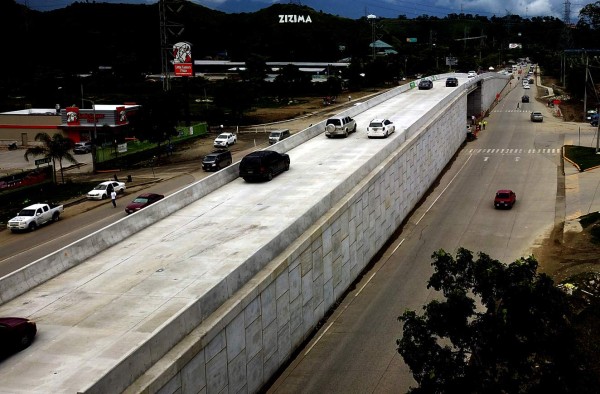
(380,128)
(263,165)
(16,333)
(81,148)
(224,140)
(451,81)
(217,160)
(278,135)
(339,125)
(104,189)
(526,86)
(33,216)
(505,198)
(142,201)
(471,74)
(525,99)
(425,84)
(537,117)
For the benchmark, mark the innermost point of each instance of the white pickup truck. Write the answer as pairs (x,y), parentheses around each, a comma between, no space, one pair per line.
(33,216)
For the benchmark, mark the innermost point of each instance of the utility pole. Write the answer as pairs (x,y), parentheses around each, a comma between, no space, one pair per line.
(168,10)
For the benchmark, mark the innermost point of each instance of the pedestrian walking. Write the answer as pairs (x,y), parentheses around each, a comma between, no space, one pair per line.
(484,124)
(113,198)
(349,98)
(473,119)
(518,105)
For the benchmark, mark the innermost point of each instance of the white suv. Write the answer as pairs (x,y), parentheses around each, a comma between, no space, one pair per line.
(339,125)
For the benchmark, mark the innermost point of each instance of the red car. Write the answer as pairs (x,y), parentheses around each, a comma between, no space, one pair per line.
(16,333)
(505,199)
(142,201)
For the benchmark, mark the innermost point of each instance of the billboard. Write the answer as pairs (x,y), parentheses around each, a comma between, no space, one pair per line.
(72,116)
(182,59)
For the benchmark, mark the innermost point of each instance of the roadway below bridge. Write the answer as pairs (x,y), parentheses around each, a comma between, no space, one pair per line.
(355,348)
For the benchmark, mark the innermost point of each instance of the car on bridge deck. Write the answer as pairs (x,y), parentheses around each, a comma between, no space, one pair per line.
(425,84)
(263,165)
(380,128)
(16,333)
(451,81)
(339,125)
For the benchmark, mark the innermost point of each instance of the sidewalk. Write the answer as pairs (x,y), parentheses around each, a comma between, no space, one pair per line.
(582,189)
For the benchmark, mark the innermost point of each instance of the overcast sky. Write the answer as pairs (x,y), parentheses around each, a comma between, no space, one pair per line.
(381,8)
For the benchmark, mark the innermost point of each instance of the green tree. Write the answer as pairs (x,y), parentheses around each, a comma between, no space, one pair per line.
(501,329)
(56,148)
(590,16)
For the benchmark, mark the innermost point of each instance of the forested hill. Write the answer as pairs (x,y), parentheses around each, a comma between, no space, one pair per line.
(40,47)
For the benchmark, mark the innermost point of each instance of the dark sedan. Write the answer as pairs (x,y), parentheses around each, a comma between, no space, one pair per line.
(142,201)
(451,82)
(525,99)
(16,333)
(425,84)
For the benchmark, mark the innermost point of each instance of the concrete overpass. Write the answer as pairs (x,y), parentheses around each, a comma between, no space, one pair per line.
(214,287)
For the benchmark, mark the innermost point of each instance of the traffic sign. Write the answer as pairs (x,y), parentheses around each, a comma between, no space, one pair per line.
(42,161)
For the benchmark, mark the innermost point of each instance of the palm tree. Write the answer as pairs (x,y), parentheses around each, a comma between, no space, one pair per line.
(56,147)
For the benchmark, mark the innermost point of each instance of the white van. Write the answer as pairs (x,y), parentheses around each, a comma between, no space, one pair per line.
(278,135)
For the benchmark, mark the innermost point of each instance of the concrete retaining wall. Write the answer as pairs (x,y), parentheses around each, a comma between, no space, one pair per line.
(249,337)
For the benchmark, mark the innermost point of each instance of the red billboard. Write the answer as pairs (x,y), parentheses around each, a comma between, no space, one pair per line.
(120,115)
(182,59)
(72,116)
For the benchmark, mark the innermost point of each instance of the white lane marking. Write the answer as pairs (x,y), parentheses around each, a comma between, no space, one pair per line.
(348,304)
(447,186)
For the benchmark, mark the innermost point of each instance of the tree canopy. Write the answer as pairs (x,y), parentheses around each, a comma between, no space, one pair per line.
(56,147)
(499,329)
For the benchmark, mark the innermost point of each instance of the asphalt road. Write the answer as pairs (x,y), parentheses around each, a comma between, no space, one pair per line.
(355,349)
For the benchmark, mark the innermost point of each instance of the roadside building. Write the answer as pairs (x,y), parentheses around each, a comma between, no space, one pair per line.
(79,124)
(23,125)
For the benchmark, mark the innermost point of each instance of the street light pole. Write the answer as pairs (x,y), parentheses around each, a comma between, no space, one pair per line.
(372,18)
(95,138)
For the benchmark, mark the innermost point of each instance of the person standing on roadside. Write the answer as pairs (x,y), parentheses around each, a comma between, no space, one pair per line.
(113,198)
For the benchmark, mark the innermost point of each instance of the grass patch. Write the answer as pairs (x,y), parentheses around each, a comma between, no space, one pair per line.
(584,157)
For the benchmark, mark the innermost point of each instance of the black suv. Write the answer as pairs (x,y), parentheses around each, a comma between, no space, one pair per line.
(263,164)
(216,160)
(425,84)
(451,81)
